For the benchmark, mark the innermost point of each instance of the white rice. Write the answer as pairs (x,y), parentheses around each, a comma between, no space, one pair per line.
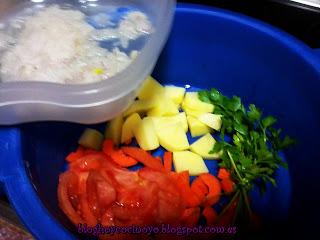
(55,45)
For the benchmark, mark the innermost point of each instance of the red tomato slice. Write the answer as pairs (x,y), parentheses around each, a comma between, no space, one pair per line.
(88,162)
(190,216)
(138,205)
(171,204)
(95,189)
(67,189)
(100,193)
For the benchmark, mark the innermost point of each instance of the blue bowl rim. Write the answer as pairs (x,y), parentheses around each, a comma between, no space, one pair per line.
(17,182)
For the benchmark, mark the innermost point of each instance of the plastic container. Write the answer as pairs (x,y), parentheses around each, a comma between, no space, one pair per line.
(208,48)
(89,103)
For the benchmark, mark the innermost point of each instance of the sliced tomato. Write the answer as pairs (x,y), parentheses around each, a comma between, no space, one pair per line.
(67,190)
(97,190)
(190,216)
(171,204)
(100,193)
(137,206)
(88,162)
(86,212)
(107,218)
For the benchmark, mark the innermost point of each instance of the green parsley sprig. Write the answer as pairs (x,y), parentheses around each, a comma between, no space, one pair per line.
(252,156)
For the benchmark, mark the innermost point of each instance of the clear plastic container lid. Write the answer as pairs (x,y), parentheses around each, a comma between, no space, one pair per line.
(28,101)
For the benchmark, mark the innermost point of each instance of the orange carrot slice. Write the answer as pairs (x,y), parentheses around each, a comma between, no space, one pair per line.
(214,188)
(144,157)
(73,156)
(122,159)
(190,198)
(210,215)
(159,159)
(223,174)
(108,146)
(227,185)
(184,177)
(199,188)
(167,161)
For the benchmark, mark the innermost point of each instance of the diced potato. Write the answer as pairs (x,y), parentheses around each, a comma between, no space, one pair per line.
(193,102)
(145,134)
(196,127)
(164,107)
(150,88)
(113,130)
(172,137)
(203,146)
(181,118)
(212,120)
(176,94)
(127,129)
(91,138)
(141,106)
(190,161)
(191,112)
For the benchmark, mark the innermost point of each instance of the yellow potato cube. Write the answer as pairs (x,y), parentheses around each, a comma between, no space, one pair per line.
(127,129)
(193,102)
(176,94)
(141,106)
(150,88)
(196,127)
(113,130)
(203,146)
(164,107)
(189,161)
(172,137)
(191,112)
(91,138)
(212,120)
(145,134)
(181,118)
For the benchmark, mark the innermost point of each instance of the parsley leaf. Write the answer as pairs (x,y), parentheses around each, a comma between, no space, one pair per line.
(253,154)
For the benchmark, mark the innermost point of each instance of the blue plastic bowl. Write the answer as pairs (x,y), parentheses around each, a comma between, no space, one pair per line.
(208,48)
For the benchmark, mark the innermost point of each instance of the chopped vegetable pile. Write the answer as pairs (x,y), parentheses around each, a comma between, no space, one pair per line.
(98,187)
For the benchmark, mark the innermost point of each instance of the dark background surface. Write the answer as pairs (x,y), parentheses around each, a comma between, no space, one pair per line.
(299,20)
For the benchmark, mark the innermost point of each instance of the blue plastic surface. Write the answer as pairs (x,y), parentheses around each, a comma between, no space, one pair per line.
(208,48)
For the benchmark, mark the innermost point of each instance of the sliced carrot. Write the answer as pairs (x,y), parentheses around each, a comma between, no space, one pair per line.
(167,161)
(214,188)
(210,215)
(198,182)
(190,198)
(79,153)
(227,185)
(122,159)
(184,177)
(108,146)
(91,151)
(159,159)
(144,157)
(223,174)
(190,216)
(199,188)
